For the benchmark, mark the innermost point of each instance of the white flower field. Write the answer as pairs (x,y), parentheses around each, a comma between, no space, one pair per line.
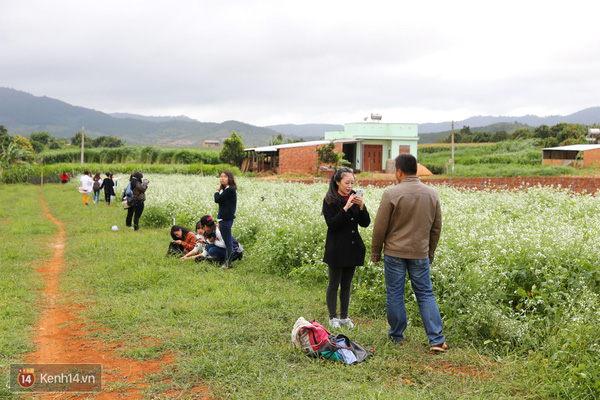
(514,270)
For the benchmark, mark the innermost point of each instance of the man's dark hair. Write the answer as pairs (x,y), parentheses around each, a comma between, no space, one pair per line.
(407,163)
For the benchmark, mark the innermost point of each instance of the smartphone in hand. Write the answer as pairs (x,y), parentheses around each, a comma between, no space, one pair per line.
(359,193)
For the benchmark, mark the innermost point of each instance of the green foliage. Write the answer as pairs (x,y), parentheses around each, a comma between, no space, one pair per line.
(12,154)
(233,150)
(326,155)
(51,172)
(275,140)
(55,145)
(5,138)
(37,146)
(79,136)
(506,158)
(44,138)
(134,154)
(559,134)
(24,144)
(101,141)
(107,141)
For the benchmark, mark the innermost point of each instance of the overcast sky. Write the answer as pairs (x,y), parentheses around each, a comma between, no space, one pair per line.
(275,62)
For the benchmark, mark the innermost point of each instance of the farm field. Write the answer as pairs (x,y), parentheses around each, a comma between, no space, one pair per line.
(521,158)
(516,277)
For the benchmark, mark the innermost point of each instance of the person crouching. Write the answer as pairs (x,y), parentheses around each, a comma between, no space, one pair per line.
(184,241)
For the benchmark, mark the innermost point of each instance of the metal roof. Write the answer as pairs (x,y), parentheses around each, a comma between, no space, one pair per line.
(272,149)
(575,147)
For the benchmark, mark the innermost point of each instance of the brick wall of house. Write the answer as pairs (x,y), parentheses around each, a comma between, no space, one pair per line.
(591,157)
(301,160)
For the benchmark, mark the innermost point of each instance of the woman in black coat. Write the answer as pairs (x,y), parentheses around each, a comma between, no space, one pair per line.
(109,188)
(344,211)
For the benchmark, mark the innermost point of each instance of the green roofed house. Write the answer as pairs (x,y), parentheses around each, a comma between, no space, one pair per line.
(366,146)
(376,142)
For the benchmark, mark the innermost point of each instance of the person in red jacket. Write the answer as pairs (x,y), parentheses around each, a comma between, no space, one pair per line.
(64,178)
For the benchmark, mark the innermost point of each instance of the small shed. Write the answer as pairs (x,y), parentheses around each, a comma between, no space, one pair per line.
(577,155)
(211,143)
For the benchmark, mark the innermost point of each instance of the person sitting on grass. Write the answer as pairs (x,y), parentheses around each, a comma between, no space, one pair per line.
(184,240)
(215,250)
(197,253)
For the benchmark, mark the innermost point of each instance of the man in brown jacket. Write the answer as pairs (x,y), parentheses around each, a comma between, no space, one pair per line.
(408,226)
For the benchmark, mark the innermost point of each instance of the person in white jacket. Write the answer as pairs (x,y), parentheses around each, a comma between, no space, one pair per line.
(85,186)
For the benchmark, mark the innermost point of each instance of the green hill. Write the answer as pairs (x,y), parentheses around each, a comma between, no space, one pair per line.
(22,113)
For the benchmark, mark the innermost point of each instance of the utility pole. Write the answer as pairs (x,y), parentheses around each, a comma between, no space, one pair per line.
(82,140)
(452,160)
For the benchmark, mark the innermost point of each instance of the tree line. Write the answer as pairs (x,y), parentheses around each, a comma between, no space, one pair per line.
(41,147)
(561,134)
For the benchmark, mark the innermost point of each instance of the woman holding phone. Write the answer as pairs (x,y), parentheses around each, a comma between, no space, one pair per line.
(344,211)
(226,197)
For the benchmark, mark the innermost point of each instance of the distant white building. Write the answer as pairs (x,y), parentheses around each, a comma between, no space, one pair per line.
(593,135)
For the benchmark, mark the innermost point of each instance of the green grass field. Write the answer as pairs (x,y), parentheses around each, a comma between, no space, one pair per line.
(228,331)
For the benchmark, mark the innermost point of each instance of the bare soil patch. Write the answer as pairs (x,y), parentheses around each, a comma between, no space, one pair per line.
(63,338)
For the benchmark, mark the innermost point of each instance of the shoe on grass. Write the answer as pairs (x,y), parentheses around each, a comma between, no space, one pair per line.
(439,348)
(347,322)
(334,323)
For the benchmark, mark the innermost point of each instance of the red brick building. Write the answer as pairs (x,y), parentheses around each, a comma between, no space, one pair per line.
(291,158)
(577,155)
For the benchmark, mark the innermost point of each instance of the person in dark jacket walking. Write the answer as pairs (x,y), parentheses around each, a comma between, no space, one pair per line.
(138,186)
(344,211)
(109,188)
(96,186)
(226,197)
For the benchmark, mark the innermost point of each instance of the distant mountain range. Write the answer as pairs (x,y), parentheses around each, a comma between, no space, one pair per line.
(22,113)
(588,116)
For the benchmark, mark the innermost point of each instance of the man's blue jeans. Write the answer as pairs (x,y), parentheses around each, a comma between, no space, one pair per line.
(420,279)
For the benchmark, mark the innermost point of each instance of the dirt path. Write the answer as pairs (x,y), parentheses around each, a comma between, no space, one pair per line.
(62,338)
